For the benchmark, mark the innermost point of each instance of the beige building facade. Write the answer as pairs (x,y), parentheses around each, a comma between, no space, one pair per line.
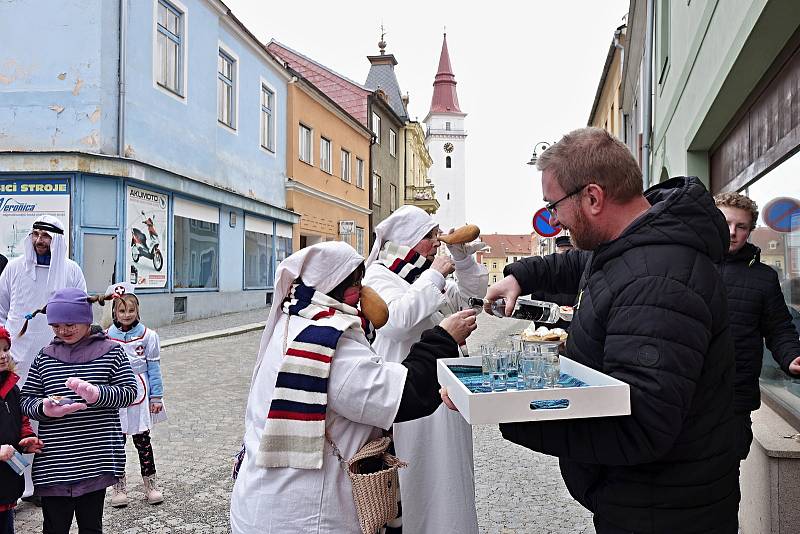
(415,161)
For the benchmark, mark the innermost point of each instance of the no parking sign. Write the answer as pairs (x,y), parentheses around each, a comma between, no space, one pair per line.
(779,213)
(541,224)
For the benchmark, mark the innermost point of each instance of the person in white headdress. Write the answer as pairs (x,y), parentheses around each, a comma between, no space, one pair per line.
(26,284)
(317,377)
(438,488)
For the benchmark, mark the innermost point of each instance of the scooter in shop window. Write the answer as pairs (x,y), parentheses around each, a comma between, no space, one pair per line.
(146,246)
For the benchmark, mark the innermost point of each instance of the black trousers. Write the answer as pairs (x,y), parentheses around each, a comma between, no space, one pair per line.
(7,522)
(59,511)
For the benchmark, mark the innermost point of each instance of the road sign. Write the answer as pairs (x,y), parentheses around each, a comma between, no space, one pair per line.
(347,227)
(541,224)
(779,212)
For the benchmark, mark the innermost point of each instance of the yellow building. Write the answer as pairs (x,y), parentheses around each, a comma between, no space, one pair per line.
(504,249)
(606,111)
(415,160)
(327,168)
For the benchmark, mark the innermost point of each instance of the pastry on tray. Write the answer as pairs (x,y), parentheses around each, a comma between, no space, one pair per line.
(543,334)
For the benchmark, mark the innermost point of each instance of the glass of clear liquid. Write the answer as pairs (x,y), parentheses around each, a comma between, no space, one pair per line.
(530,368)
(498,371)
(552,367)
(486,352)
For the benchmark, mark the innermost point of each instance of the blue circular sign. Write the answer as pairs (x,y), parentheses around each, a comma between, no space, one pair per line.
(780,212)
(541,224)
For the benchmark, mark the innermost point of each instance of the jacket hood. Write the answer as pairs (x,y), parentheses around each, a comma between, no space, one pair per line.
(682,212)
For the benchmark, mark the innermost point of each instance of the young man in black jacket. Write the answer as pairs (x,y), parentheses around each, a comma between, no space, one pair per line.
(651,311)
(757,310)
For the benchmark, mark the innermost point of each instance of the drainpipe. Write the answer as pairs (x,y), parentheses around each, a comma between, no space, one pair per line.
(619,46)
(123,27)
(648,94)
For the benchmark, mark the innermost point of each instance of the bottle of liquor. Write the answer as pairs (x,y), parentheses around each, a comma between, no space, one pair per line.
(538,311)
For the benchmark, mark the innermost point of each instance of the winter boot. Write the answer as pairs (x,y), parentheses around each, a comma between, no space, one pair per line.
(151,492)
(119,494)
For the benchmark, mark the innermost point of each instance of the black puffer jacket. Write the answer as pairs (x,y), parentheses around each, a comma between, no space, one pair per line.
(652,312)
(758,313)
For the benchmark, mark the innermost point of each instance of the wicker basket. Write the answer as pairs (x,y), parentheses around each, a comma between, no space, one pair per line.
(375,494)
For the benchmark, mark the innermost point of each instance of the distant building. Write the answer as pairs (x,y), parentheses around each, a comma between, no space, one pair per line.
(446,142)
(503,249)
(606,112)
(415,162)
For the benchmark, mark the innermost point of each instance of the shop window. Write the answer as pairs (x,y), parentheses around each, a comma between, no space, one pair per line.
(283,248)
(196,245)
(784,258)
(257,260)
(360,244)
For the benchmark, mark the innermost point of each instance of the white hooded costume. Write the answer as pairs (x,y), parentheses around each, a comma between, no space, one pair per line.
(26,286)
(364,394)
(437,488)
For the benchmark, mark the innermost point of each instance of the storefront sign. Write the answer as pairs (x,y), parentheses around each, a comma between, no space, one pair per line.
(146,232)
(22,201)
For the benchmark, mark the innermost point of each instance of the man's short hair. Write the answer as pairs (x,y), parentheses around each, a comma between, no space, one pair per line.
(593,155)
(737,200)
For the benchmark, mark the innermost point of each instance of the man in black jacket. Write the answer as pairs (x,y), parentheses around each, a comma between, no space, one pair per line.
(651,311)
(757,310)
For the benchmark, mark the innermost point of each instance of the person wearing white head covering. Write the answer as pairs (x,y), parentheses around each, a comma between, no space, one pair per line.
(307,385)
(438,488)
(26,284)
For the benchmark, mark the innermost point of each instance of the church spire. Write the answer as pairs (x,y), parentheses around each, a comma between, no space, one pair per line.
(445,98)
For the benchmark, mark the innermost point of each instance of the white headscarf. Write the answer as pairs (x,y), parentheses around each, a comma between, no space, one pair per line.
(57,275)
(322,266)
(406,226)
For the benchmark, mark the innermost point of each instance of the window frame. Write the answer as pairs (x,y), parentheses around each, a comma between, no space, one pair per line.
(225,53)
(359,173)
(392,198)
(181,95)
(344,163)
(376,120)
(360,240)
(376,188)
(322,154)
(302,127)
(392,143)
(271,116)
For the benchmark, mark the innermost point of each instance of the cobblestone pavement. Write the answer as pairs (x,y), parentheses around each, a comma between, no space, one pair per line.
(518,491)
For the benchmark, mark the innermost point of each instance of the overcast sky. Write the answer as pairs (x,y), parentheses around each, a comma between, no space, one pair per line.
(526,72)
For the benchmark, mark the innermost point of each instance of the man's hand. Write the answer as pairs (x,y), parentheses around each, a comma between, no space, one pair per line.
(88,391)
(446,399)
(156,405)
(31,445)
(508,288)
(443,264)
(51,409)
(6,452)
(460,325)
(794,367)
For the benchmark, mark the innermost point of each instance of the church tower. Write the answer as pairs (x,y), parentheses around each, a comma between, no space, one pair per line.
(446,141)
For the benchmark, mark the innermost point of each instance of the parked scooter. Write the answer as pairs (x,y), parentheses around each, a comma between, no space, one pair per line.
(140,246)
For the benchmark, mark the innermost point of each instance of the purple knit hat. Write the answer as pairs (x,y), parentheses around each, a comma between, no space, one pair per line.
(69,306)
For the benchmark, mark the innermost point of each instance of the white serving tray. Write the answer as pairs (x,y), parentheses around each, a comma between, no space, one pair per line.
(604,396)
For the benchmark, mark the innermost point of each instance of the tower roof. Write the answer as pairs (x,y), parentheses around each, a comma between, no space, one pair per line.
(445,98)
(381,76)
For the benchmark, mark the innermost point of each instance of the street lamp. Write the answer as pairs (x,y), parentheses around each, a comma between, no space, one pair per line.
(543,145)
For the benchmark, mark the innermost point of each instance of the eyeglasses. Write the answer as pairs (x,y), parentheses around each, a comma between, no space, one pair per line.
(553,206)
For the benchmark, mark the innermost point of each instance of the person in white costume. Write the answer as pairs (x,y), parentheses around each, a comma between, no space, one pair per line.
(26,284)
(288,479)
(438,488)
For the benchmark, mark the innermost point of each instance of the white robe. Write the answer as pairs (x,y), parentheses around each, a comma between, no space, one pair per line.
(21,294)
(364,395)
(438,487)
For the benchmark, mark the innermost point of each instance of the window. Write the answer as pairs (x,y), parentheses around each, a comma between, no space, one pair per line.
(345,165)
(283,248)
(325,154)
(360,173)
(376,127)
(267,118)
(393,143)
(494,278)
(257,260)
(494,265)
(360,241)
(447,125)
(196,245)
(225,89)
(448,162)
(663,40)
(376,189)
(169,47)
(392,197)
(305,144)
(781,181)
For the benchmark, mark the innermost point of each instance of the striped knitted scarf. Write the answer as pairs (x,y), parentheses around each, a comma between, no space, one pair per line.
(403,261)
(294,434)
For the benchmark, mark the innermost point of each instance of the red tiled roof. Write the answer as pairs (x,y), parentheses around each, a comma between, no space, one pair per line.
(445,98)
(762,236)
(502,245)
(351,96)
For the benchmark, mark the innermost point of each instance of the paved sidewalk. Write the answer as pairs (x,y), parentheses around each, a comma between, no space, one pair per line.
(211,324)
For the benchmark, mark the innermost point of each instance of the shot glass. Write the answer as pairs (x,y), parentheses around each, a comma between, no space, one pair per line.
(498,373)
(552,367)
(486,353)
(530,370)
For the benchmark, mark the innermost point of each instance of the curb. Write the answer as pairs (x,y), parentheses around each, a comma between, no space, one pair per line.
(213,334)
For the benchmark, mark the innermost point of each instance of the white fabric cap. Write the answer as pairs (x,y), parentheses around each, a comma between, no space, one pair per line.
(57,275)
(406,226)
(121,288)
(322,266)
